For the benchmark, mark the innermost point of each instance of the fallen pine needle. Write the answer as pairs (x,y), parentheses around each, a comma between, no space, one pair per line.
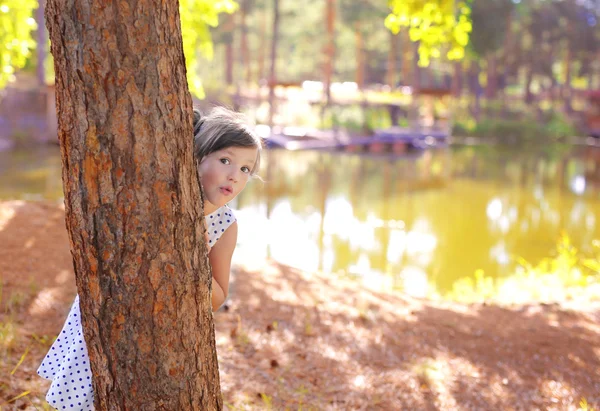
(19,396)
(20,362)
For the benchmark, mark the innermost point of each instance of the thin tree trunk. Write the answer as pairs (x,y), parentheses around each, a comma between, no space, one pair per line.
(360,56)
(492,77)
(567,86)
(133,204)
(244,41)
(457,79)
(229,64)
(413,117)
(228,27)
(263,46)
(416,70)
(391,63)
(596,70)
(273,73)
(42,38)
(329,48)
(476,89)
(407,56)
(528,81)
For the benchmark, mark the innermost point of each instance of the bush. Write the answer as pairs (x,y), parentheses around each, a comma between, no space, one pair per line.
(552,126)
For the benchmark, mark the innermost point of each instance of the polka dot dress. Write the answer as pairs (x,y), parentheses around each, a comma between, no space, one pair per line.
(67,364)
(217,222)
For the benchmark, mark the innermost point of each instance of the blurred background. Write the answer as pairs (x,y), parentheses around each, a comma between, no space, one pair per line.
(445,150)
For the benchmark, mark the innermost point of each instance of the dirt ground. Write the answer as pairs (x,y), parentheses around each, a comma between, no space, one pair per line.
(296,340)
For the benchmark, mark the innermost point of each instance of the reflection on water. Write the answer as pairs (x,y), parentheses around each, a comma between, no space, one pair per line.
(420,222)
(410,223)
(32,174)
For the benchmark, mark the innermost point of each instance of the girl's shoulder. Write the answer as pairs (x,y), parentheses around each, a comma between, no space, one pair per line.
(222,213)
(218,222)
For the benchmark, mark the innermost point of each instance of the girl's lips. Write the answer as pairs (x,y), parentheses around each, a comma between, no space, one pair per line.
(226,190)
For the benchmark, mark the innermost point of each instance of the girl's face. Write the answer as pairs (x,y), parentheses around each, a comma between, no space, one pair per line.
(224,174)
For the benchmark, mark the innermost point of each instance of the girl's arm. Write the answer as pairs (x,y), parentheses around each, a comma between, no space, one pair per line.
(220,262)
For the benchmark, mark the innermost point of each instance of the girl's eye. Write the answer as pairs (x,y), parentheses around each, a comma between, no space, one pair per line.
(245,169)
(225,161)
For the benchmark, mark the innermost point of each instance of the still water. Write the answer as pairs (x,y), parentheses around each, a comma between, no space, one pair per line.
(416,223)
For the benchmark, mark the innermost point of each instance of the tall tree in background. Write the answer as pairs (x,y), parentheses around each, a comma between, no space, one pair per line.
(329,50)
(359,17)
(245,8)
(273,70)
(41,37)
(133,204)
(491,37)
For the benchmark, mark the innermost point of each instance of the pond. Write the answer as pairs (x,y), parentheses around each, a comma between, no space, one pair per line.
(415,223)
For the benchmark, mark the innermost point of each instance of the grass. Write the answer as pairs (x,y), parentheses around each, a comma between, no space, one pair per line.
(19,354)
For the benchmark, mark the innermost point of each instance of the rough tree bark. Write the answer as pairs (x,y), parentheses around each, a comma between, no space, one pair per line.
(133,204)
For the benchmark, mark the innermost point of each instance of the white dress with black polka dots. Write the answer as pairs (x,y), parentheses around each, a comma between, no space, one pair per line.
(67,363)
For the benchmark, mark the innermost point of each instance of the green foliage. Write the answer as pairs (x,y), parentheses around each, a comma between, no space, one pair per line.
(566,275)
(16,42)
(354,118)
(196,18)
(593,263)
(552,126)
(435,24)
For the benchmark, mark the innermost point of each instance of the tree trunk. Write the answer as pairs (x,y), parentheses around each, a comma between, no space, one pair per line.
(228,27)
(391,63)
(475,88)
(528,81)
(457,79)
(273,73)
(42,39)
(407,56)
(567,86)
(133,204)
(329,48)
(360,58)
(263,46)
(416,69)
(244,41)
(492,77)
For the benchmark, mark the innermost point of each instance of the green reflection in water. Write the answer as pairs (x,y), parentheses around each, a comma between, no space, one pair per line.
(409,223)
(31,174)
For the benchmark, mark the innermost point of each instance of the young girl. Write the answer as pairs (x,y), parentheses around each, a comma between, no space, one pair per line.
(229,155)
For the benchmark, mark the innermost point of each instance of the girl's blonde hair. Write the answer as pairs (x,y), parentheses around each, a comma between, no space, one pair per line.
(223,128)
